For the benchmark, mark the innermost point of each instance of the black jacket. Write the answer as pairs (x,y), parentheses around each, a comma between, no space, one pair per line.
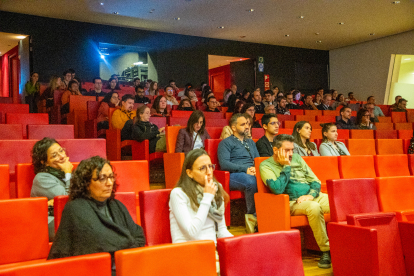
(141,131)
(143,100)
(323,107)
(264,147)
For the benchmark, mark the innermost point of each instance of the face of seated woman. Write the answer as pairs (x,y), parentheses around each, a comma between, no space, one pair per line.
(305,131)
(198,125)
(201,169)
(332,134)
(101,185)
(56,156)
(144,117)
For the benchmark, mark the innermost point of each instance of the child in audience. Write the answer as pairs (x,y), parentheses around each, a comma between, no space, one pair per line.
(330,146)
(302,145)
(194,135)
(159,107)
(110,100)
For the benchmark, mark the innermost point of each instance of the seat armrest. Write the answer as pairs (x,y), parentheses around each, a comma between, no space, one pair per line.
(113,144)
(91,129)
(173,164)
(223,177)
(140,150)
(273,212)
(406,215)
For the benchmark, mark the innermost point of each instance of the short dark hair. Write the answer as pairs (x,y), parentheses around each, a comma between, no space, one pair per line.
(66,72)
(126,97)
(343,108)
(233,119)
(279,139)
(308,95)
(369,97)
(280,98)
(96,78)
(71,71)
(165,88)
(320,88)
(137,79)
(397,97)
(139,87)
(402,100)
(171,81)
(268,92)
(72,82)
(349,94)
(266,118)
(209,98)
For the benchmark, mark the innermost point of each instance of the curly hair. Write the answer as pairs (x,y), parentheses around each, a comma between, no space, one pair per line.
(39,154)
(82,177)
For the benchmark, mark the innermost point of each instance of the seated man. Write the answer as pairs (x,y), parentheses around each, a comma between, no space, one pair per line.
(377,111)
(351,97)
(268,95)
(402,106)
(308,104)
(345,121)
(139,95)
(371,109)
(326,102)
(289,102)
(125,113)
(236,154)
(270,109)
(395,105)
(257,100)
(282,106)
(287,173)
(97,84)
(212,105)
(271,125)
(137,82)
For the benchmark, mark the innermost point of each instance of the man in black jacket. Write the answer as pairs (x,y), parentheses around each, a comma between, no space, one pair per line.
(325,105)
(271,125)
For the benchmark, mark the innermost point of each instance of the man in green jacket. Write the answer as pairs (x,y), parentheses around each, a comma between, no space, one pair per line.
(287,173)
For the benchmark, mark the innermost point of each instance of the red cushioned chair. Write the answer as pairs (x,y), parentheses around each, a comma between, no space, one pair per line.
(155,216)
(24,231)
(386,134)
(91,124)
(310,118)
(411,163)
(214,115)
(182,114)
(351,196)
(384,119)
(406,145)
(324,167)
(330,113)
(38,132)
(237,254)
(391,165)
(290,124)
(357,166)
(385,109)
(27,119)
(181,121)
(316,134)
(325,119)
(395,195)
(399,117)
(283,118)
(158,121)
(188,258)
(389,146)
(296,112)
(173,161)
(215,132)
(405,134)
(402,126)
(216,123)
(370,244)
(313,112)
(11,132)
(361,134)
(12,108)
(384,126)
(257,133)
(343,134)
(4,182)
(361,146)
(285,131)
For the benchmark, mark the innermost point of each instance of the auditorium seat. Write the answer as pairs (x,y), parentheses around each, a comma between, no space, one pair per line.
(281,254)
(361,134)
(214,115)
(91,124)
(330,112)
(399,117)
(361,146)
(188,258)
(257,133)
(285,131)
(296,112)
(181,121)
(384,126)
(173,162)
(4,182)
(386,134)
(411,163)
(11,132)
(55,113)
(215,132)
(216,123)
(316,133)
(305,118)
(385,109)
(326,119)
(38,132)
(351,196)
(27,119)
(384,119)
(12,108)
(181,114)
(343,134)
(410,115)
(406,126)
(313,112)
(357,166)
(158,121)
(324,167)
(405,134)
(290,124)
(406,145)
(283,118)
(389,146)
(391,165)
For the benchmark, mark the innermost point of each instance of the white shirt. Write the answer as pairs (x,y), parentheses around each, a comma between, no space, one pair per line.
(198,144)
(190,225)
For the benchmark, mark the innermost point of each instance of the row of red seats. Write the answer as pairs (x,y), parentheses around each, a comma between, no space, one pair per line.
(36,132)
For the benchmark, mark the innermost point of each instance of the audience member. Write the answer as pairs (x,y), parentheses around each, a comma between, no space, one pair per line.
(249,108)
(257,100)
(159,107)
(275,90)
(271,125)
(320,92)
(245,96)
(137,82)
(53,173)
(330,146)
(287,173)
(290,102)
(205,92)
(185,105)
(47,97)
(270,109)
(268,96)
(303,146)
(67,77)
(402,106)
(236,154)
(111,100)
(212,105)
(113,84)
(334,94)
(351,97)
(32,92)
(189,93)
(282,106)
(309,105)
(317,100)
(73,89)
(140,129)
(174,87)
(125,113)
(139,95)
(227,93)
(371,108)
(147,86)
(93,220)
(340,100)
(169,96)
(97,84)
(345,122)
(363,120)
(153,89)
(326,103)
(395,105)
(194,135)
(280,94)
(377,111)
(79,81)
(231,103)
(197,202)
(115,76)
(207,96)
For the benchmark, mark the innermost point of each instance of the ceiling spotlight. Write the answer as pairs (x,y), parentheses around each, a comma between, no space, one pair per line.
(115,12)
(396,2)
(102,57)
(250,10)
(372,34)
(341,23)
(316,33)
(151,11)
(318,41)
(177,18)
(286,35)
(301,17)
(102,4)
(221,27)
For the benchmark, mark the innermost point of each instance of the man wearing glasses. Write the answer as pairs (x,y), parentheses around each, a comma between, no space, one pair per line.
(373,110)
(271,125)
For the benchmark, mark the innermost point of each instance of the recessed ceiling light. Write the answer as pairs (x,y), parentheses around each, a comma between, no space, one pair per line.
(151,11)
(220,27)
(396,2)
(177,18)
(301,17)
(250,10)
(286,35)
(316,33)
(318,41)
(102,4)
(372,34)
(341,23)
(115,12)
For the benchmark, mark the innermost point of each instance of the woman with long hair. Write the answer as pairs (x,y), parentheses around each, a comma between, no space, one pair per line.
(194,135)
(159,107)
(302,145)
(249,109)
(113,84)
(47,97)
(185,105)
(32,91)
(110,100)
(363,120)
(189,93)
(153,89)
(330,146)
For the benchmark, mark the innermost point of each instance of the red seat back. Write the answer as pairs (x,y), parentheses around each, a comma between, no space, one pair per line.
(214,132)
(406,126)
(216,123)
(391,165)
(384,126)
(399,117)
(80,102)
(361,134)
(386,134)
(155,216)
(395,193)
(12,108)
(38,132)
(356,166)
(238,253)
(326,119)
(309,118)
(261,187)
(257,133)
(285,131)
(351,196)
(8,153)
(405,134)
(324,167)
(27,119)
(313,112)
(92,108)
(211,146)
(132,176)
(296,112)
(180,113)
(283,118)
(11,132)
(384,119)
(4,182)
(158,121)
(57,97)
(343,134)
(389,146)
(24,231)
(214,115)
(330,113)
(182,121)
(361,146)
(80,149)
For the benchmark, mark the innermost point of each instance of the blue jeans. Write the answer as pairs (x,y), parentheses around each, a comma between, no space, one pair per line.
(245,183)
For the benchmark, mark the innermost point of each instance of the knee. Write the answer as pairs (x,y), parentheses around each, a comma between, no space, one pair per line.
(314,208)
(251,182)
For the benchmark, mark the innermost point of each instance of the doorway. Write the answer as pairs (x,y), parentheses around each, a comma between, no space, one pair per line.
(401,79)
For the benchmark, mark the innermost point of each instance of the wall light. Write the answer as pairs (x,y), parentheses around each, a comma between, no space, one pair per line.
(21,37)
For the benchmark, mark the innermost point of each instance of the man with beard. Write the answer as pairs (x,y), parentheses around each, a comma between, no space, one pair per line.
(287,173)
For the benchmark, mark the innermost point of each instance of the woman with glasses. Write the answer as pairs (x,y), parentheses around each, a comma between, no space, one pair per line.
(330,146)
(301,134)
(249,109)
(197,202)
(363,120)
(53,173)
(110,100)
(93,220)
(194,135)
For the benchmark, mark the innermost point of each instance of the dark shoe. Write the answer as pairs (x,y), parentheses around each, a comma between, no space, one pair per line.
(325,261)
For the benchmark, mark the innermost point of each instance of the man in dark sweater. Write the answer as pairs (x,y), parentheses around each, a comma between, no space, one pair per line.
(212,105)
(290,104)
(139,95)
(97,84)
(257,100)
(345,121)
(236,154)
(270,124)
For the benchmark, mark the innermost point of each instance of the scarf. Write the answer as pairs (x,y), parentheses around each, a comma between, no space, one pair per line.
(215,213)
(59,174)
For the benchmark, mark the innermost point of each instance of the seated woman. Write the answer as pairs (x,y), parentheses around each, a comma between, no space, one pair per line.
(249,109)
(363,120)
(93,221)
(340,100)
(194,135)
(47,97)
(113,84)
(159,107)
(141,129)
(185,105)
(53,173)
(153,89)
(231,103)
(197,202)
(73,89)
(169,96)
(110,100)
(329,145)
(189,93)
(302,145)
(317,100)
(245,96)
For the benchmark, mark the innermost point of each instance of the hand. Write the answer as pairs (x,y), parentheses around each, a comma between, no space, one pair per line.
(251,171)
(209,186)
(66,166)
(304,198)
(161,129)
(50,202)
(282,158)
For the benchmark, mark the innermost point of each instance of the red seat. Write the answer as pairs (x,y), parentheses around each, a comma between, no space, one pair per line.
(27,119)
(214,115)
(216,123)
(12,108)
(351,196)
(155,216)
(237,254)
(158,121)
(283,118)
(361,134)
(389,146)
(410,115)
(296,112)
(182,121)
(399,117)
(313,112)
(24,231)
(4,182)
(290,124)
(324,167)
(343,134)
(173,161)
(356,166)
(214,132)
(91,124)
(384,126)
(182,114)
(330,112)
(310,118)
(405,134)
(285,131)
(361,146)
(11,132)
(386,134)
(384,119)
(316,133)
(38,132)
(406,145)
(407,126)
(411,163)
(385,109)
(391,165)
(257,133)
(326,119)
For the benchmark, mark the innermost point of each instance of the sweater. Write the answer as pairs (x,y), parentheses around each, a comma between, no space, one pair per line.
(295,180)
(302,151)
(234,157)
(264,147)
(326,149)
(141,131)
(188,224)
(47,185)
(121,116)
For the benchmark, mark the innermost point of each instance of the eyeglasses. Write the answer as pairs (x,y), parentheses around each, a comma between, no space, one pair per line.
(60,152)
(250,109)
(275,123)
(203,169)
(104,178)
